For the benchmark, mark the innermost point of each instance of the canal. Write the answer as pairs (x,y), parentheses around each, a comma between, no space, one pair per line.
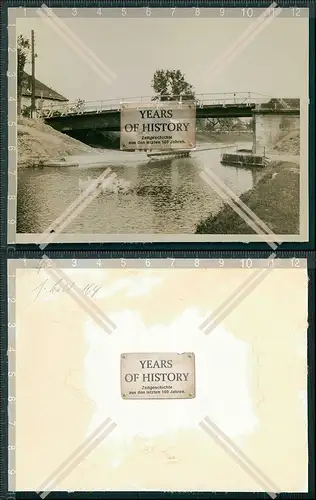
(166,197)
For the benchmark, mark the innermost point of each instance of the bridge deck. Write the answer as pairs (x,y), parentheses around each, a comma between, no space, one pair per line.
(238,102)
(105,115)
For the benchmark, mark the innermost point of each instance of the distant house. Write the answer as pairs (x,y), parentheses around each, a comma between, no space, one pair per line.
(44,96)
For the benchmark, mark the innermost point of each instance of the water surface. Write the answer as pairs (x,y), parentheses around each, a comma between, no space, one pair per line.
(167,197)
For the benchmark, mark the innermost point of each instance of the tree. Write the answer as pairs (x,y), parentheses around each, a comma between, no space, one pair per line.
(23,53)
(171,85)
(80,105)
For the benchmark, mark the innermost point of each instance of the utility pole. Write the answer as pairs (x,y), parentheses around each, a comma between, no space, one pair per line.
(254,134)
(33,102)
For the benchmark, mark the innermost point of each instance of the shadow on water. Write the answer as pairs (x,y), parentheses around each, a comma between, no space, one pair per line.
(167,196)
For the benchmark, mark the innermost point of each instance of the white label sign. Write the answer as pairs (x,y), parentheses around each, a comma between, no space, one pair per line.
(161,375)
(167,125)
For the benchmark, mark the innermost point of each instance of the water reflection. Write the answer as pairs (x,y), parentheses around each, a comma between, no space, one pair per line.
(164,197)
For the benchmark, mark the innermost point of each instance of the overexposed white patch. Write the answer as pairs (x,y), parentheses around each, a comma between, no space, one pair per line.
(133,285)
(221,377)
(117,286)
(142,285)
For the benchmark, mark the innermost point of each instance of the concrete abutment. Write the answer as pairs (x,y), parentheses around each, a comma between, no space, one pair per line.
(268,129)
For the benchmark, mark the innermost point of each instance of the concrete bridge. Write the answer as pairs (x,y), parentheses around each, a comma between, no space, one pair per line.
(80,119)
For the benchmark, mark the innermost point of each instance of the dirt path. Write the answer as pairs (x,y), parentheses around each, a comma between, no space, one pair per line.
(285,157)
(38,141)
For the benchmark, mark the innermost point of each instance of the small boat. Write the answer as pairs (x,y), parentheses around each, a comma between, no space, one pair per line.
(59,163)
(168,155)
(245,159)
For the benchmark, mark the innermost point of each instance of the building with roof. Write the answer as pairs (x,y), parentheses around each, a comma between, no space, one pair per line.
(44,95)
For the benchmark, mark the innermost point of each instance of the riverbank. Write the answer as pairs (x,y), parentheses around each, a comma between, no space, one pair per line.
(289,144)
(224,137)
(38,142)
(275,200)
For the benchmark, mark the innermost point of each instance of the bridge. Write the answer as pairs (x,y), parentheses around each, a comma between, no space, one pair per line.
(105,115)
(90,122)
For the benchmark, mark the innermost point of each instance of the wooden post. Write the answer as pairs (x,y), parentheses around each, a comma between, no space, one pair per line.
(254,139)
(33,102)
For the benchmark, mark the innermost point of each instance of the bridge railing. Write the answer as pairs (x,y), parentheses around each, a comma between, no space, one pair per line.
(201,100)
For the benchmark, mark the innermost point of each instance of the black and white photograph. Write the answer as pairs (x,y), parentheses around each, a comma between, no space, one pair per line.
(174,125)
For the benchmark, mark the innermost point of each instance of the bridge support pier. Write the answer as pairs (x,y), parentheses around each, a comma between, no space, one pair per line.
(268,129)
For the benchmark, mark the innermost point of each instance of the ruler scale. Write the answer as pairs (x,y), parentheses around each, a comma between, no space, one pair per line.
(160,258)
(170,263)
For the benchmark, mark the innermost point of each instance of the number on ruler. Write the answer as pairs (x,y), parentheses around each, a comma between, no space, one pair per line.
(246,263)
(295,262)
(247,12)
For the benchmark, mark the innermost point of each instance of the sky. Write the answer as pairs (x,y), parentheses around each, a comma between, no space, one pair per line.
(274,62)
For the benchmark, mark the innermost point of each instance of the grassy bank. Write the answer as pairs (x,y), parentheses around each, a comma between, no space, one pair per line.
(38,142)
(289,144)
(275,200)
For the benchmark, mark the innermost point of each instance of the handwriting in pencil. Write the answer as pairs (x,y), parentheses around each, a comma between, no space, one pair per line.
(90,290)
